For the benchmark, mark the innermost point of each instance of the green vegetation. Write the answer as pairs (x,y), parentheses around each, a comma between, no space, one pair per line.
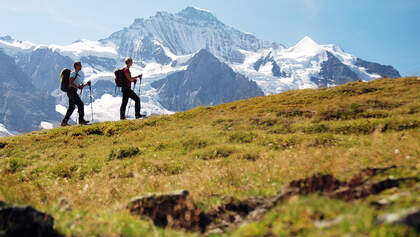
(240,149)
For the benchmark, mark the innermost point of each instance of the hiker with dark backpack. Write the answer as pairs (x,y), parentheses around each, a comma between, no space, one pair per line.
(71,89)
(123,79)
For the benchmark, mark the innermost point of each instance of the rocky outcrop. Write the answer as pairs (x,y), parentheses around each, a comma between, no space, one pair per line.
(100,63)
(276,70)
(25,221)
(22,106)
(207,81)
(43,66)
(175,207)
(184,33)
(175,210)
(334,72)
(410,217)
(376,68)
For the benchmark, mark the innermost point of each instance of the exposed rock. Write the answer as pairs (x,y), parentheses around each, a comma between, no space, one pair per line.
(368,188)
(184,33)
(99,63)
(43,66)
(328,223)
(25,221)
(175,210)
(207,81)
(276,70)
(22,106)
(232,211)
(392,198)
(99,88)
(376,68)
(410,217)
(316,183)
(334,72)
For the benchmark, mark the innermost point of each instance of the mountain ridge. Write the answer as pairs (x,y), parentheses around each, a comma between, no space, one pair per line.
(165,43)
(206,81)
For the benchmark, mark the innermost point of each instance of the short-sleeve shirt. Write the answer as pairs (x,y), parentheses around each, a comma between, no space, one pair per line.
(76,80)
(128,82)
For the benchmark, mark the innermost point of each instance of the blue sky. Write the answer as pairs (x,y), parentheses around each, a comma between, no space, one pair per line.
(384,31)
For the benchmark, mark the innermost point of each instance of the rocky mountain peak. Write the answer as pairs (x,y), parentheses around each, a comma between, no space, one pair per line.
(207,81)
(194,13)
(7,38)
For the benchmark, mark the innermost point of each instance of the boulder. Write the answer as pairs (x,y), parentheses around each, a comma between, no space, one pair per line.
(25,221)
(175,210)
(410,217)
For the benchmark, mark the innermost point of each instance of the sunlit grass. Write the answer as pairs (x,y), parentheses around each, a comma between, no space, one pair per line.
(249,147)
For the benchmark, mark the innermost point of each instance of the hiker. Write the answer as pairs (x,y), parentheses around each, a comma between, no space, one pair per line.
(74,99)
(128,92)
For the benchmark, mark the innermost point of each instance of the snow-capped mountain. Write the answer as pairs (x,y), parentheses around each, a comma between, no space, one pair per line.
(22,106)
(165,45)
(307,65)
(4,132)
(207,81)
(183,33)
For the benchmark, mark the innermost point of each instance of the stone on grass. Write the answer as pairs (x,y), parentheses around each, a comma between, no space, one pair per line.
(25,221)
(175,210)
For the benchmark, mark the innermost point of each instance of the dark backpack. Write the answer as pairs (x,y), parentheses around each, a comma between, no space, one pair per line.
(65,80)
(119,77)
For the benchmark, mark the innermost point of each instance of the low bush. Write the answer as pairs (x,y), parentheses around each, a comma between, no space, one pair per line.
(194,143)
(94,130)
(242,137)
(247,155)
(123,153)
(214,152)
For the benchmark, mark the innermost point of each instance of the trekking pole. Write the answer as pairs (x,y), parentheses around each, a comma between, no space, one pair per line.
(129,103)
(91,100)
(81,92)
(139,93)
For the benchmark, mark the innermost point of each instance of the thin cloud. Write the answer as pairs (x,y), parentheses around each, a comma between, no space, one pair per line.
(51,10)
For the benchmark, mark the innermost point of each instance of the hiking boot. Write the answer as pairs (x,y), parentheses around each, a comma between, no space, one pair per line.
(64,124)
(139,116)
(83,122)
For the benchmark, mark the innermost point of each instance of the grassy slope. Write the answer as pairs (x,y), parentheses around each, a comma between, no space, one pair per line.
(239,149)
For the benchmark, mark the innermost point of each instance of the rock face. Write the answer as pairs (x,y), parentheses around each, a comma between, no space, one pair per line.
(376,68)
(22,106)
(276,70)
(175,210)
(99,63)
(25,221)
(207,81)
(100,88)
(184,33)
(43,66)
(334,72)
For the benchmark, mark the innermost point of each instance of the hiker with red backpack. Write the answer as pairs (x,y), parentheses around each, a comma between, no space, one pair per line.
(124,79)
(70,82)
